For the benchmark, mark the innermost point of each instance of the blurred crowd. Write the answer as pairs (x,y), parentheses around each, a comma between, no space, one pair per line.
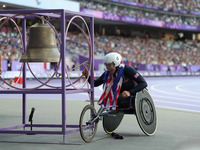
(140,50)
(188,5)
(152,15)
(136,49)
(10,44)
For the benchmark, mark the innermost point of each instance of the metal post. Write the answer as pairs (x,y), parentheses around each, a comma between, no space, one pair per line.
(62,50)
(24,73)
(92,63)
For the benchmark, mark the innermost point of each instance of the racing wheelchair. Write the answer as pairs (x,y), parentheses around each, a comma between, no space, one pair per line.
(144,110)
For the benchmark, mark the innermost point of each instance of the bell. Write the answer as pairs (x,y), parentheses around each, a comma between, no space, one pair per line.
(42,45)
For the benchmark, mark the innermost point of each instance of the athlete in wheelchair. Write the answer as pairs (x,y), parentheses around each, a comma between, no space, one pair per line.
(123,93)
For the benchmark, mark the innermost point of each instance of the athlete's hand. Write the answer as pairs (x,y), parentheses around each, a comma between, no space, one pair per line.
(125,94)
(85,72)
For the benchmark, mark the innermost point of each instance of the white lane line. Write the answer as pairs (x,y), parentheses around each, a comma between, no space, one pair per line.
(177,103)
(179,109)
(186,91)
(181,99)
(169,93)
(88,95)
(100,88)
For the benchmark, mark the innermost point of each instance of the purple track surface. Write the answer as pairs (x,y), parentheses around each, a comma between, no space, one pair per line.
(171,92)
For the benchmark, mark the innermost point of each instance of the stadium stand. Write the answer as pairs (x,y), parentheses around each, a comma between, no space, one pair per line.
(140,44)
(138,13)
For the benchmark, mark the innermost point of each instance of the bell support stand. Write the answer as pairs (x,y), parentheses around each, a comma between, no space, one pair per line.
(30,56)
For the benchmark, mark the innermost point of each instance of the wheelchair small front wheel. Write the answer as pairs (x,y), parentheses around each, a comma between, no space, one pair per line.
(112,121)
(87,127)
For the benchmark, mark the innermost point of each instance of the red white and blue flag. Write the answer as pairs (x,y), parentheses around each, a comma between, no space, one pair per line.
(111,88)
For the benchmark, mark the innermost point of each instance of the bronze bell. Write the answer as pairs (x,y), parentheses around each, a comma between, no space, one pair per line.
(42,45)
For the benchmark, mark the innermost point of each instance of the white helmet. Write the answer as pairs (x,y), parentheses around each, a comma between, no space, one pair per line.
(113,57)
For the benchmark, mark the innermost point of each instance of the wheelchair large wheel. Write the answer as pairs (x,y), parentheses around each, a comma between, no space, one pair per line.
(146,112)
(88,129)
(112,121)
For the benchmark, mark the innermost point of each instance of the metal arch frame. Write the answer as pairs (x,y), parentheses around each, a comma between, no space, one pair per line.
(63,91)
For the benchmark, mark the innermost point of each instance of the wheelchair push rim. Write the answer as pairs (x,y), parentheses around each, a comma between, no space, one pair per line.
(146,112)
(87,128)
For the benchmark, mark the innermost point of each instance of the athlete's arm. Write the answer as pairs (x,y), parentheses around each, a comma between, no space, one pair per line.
(134,75)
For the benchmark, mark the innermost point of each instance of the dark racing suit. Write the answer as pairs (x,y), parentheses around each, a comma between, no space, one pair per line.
(132,82)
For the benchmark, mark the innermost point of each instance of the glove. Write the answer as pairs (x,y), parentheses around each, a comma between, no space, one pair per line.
(117,136)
